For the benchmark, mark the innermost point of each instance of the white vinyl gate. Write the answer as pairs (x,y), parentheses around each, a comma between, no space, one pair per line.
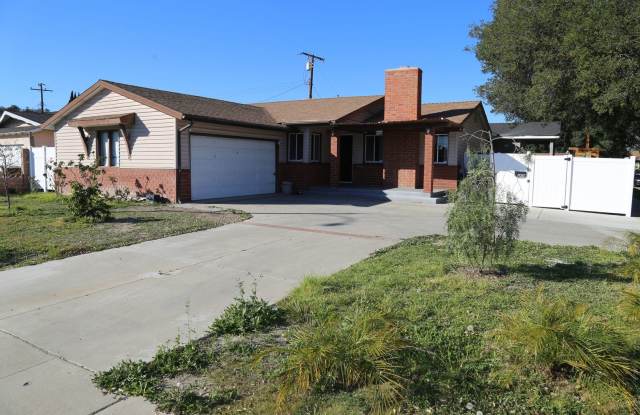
(565,182)
(40,158)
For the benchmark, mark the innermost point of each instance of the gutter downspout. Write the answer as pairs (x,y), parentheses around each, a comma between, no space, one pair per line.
(179,156)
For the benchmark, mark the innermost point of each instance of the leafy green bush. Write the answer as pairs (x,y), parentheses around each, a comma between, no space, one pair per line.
(565,339)
(138,378)
(86,200)
(246,315)
(480,229)
(361,351)
(129,378)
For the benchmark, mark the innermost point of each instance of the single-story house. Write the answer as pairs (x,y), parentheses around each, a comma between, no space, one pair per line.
(186,147)
(20,131)
(537,137)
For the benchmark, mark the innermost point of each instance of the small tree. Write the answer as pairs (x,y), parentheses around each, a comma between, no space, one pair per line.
(58,169)
(86,200)
(9,160)
(480,229)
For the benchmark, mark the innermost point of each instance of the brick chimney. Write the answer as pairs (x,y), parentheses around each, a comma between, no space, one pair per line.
(402,94)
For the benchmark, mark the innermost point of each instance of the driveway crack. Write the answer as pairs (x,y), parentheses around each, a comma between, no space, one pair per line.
(47,352)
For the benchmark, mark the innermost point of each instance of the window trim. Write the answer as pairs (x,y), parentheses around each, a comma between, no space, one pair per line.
(364,149)
(435,153)
(289,136)
(318,159)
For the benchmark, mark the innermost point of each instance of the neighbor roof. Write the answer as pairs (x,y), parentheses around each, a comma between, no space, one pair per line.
(320,110)
(498,128)
(456,112)
(533,130)
(33,118)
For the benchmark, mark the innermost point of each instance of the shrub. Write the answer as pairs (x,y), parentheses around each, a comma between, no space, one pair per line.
(363,351)
(129,377)
(187,358)
(86,200)
(631,266)
(629,304)
(138,378)
(480,229)
(246,315)
(565,339)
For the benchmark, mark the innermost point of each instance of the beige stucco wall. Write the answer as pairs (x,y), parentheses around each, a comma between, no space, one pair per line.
(22,140)
(152,137)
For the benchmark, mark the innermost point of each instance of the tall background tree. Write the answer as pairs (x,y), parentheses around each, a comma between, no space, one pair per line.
(576,61)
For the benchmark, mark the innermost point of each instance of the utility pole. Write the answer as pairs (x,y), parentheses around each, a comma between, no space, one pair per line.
(42,88)
(311,60)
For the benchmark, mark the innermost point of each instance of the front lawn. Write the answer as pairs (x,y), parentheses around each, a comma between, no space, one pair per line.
(39,227)
(410,316)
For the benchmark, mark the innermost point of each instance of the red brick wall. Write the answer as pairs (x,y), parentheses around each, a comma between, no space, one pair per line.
(426,175)
(19,184)
(445,177)
(304,175)
(402,94)
(334,162)
(400,155)
(161,182)
(367,175)
(184,185)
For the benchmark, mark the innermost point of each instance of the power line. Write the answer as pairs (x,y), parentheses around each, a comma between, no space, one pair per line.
(311,60)
(284,92)
(42,88)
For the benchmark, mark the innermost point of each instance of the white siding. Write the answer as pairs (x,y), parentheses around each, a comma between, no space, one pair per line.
(152,137)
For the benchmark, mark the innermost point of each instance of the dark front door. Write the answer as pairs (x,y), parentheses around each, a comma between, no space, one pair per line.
(346,157)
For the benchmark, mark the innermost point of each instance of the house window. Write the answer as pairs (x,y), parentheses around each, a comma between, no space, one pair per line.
(296,146)
(108,149)
(442,148)
(372,148)
(316,140)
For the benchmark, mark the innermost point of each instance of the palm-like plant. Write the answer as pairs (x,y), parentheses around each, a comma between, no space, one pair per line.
(362,351)
(562,337)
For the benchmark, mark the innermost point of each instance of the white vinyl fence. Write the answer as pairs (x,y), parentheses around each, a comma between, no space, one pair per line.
(13,155)
(42,176)
(566,182)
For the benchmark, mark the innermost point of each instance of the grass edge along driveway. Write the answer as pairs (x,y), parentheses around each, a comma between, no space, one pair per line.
(39,228)
(410,329)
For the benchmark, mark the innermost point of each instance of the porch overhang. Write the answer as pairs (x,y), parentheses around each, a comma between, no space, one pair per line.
(424,124)
(123,122)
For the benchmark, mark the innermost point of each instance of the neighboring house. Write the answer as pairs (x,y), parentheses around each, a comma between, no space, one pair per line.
(187,147)
(538,137)
(20,131)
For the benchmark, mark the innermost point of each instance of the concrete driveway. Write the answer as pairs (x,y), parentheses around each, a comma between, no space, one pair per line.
(63,320)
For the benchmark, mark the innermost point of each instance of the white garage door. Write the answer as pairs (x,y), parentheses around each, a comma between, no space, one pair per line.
(225,167)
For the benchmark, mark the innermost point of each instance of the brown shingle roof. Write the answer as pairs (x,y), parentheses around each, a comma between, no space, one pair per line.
(456,112)
(197,106)
(319,110)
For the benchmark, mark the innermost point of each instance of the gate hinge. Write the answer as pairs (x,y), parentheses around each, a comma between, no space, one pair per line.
(564,207)
(567,159)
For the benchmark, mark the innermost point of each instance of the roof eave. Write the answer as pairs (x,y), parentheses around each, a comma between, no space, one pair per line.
(191,117)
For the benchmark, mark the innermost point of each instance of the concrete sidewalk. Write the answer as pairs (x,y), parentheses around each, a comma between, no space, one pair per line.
(62,321)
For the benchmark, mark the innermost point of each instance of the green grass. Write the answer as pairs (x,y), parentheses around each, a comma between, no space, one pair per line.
(448,320)
(39,228)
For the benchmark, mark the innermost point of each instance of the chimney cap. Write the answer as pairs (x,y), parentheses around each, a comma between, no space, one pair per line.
(404,68)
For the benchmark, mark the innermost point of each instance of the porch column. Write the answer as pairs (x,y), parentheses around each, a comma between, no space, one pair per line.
(427,179)
(334,160)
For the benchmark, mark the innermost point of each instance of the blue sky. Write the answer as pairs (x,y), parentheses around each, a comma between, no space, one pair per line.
(241,51)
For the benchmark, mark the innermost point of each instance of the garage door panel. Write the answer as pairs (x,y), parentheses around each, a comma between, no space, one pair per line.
(226,167)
